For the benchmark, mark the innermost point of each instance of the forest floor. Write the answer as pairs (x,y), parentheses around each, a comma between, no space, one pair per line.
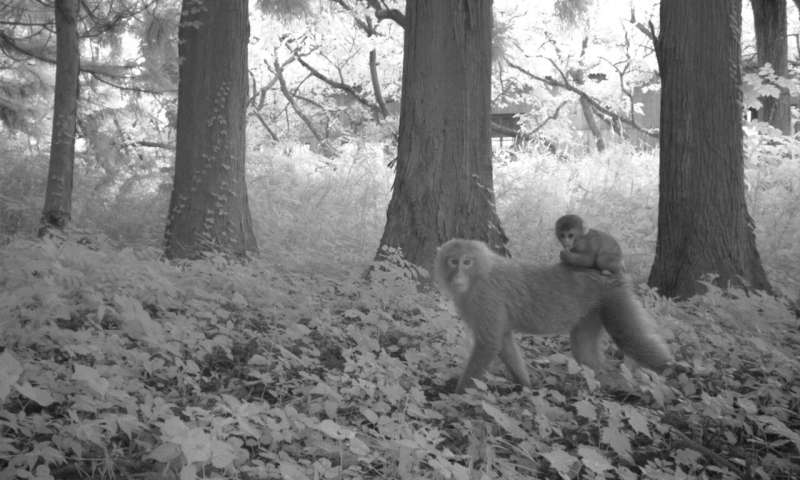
(116,364)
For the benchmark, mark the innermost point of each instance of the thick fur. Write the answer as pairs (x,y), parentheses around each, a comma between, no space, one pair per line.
(497,296)
(588,248)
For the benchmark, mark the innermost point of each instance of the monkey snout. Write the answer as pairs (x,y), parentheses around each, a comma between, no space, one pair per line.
(459,285)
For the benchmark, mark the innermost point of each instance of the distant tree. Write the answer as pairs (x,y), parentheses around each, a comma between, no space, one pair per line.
(58,196)
(443,180)
(771,44)
(208,209)
(36,36)
(703,223)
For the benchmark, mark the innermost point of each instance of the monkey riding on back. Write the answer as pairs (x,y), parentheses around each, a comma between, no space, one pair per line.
(588,248)
(497,296)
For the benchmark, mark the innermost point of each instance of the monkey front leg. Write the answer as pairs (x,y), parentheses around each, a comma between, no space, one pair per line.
(483,352)
(578,259)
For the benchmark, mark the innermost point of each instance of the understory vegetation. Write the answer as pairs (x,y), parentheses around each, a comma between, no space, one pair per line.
(118,364)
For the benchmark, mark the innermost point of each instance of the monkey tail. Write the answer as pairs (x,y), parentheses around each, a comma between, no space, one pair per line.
(633,329)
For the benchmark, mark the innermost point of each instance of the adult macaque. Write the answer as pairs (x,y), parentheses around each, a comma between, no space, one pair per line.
(496,296)
(587,248)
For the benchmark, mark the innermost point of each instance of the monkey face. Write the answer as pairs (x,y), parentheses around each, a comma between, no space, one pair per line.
(568,229)
(567,238)
(459,263)
(459,273)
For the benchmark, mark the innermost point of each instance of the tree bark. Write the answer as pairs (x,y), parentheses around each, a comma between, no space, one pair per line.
(703,223)
(770,24)
(57,210)
(443,181)
(208,209)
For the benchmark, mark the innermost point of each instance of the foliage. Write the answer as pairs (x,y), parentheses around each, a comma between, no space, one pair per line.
(773,188)
(117,364)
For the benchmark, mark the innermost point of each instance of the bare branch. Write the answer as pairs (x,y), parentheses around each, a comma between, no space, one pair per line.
(264,124)
(338,85)
(7,43)
(649,33)
(550,117)
(593,102)
(260,93)
(364,24)
(146,143)
(376,84)
(290,98)
(101,78)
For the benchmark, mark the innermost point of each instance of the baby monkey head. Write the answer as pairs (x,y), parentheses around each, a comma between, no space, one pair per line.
(569,228)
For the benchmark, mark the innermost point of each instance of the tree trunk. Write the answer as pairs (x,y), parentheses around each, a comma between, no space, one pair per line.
(57,209)
(588,115)
(703,223)
(443,181)
(771,44)
(208,209)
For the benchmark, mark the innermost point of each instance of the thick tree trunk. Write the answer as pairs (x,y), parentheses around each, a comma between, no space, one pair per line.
(703,223)
(771,44)
(57,209)
(443,183)
(208,209)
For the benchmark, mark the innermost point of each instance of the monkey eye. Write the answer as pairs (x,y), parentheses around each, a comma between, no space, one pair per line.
(467,262)
(452,261)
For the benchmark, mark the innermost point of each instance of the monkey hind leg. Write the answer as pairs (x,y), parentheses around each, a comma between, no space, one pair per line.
(514,361)
(611,262)
(585,341)
(479,361)
(633,329)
